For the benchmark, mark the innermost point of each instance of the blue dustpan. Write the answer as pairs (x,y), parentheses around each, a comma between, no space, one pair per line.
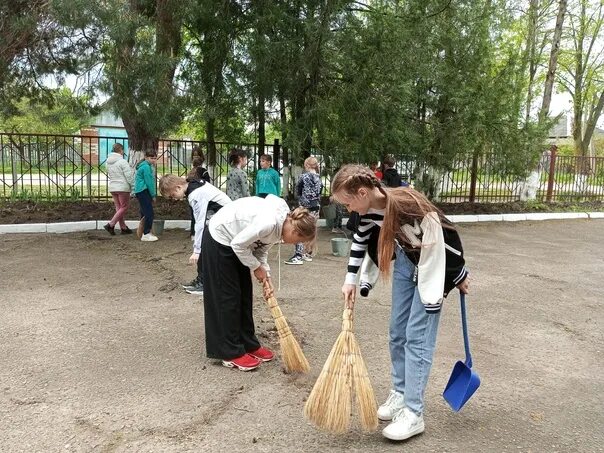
(463,381)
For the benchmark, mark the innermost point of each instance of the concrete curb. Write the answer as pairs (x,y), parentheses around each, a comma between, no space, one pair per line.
(71,227)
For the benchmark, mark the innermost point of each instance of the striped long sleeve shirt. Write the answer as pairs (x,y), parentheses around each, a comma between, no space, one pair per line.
(369,223)
(436,251)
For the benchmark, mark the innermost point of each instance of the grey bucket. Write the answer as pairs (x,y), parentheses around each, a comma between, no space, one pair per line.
(158,227)
(340,246)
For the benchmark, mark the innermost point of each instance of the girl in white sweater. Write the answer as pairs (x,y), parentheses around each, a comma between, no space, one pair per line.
(234,246)
(121,178)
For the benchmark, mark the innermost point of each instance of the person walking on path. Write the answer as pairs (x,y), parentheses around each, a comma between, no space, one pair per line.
(309,190)
(268,180)
(237,185)
(121,178)
(144,189)
(428,264)
(234,246)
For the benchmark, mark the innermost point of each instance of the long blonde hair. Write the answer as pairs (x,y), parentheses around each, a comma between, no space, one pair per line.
(403,205)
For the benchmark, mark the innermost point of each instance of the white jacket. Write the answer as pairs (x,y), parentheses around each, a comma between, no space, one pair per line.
(121,175)
(432,260)
(199,200)
(250,226)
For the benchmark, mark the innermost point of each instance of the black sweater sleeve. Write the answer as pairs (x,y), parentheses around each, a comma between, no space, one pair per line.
(455,269)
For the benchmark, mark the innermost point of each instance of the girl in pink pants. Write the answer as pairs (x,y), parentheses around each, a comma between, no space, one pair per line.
(121,177)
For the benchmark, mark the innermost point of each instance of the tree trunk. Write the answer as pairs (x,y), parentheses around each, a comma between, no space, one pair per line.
(211,155)
(531,44)
(284,149)
(260,109)
(553,62)
(590,127)
(139,140)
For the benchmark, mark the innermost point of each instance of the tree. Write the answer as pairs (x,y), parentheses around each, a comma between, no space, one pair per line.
(33,43)
(212,29)
(582,75)
(138,44)
(553,62)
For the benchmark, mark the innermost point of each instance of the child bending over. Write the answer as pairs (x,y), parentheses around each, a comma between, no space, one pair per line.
(428,264)
(204,201)
(234,245)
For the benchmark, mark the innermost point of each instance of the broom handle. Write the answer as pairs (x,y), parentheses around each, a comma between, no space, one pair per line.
(464,326)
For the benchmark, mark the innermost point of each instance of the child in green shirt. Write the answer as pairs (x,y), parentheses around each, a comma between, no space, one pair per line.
(268,180)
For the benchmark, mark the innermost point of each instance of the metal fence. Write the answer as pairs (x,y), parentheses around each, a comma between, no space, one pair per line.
(50,167)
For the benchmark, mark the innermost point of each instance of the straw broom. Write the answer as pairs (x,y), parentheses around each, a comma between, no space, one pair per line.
(291,352)
(344,377)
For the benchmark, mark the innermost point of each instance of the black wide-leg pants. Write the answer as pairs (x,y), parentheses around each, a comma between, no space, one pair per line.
(228,301)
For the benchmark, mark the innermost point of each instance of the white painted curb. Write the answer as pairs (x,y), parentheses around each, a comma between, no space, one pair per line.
(71,227)
(23,228)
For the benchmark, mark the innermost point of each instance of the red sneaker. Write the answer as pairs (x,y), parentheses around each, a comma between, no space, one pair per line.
(245,363)
(263,354)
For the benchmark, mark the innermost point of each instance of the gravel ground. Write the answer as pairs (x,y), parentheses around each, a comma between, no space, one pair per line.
(101,351)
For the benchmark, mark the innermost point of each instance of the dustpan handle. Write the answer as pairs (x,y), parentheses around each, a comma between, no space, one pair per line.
(464,326)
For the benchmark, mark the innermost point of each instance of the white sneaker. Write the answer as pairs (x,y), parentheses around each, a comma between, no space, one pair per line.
(149,237)
(307,257)
(405,424)
(393,404)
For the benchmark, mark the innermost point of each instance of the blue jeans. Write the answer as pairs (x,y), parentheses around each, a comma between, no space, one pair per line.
(146,207)
(412,335)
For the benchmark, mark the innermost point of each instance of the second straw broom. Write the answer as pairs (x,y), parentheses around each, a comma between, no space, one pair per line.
(344,377)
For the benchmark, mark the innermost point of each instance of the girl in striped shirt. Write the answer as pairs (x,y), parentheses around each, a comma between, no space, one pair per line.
(428,263)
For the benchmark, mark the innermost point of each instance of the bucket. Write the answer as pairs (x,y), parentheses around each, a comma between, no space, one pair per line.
(463,381)
(158,227)
(340,246)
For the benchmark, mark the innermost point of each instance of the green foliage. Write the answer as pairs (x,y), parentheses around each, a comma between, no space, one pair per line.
(64,114)
(351,81)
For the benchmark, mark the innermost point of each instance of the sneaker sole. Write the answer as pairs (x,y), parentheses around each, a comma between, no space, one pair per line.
(385,418)
(195,293)
(241,368)
(415,432)
(293,264)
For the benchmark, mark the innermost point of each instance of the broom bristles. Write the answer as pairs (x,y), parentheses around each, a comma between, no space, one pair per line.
(343,377)
(294,359)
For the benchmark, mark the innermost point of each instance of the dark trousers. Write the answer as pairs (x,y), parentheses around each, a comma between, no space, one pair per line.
(228,301)
(146,204)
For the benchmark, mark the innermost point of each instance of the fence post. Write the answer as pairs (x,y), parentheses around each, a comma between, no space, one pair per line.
(552,174)
(473,177)
(276,154)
